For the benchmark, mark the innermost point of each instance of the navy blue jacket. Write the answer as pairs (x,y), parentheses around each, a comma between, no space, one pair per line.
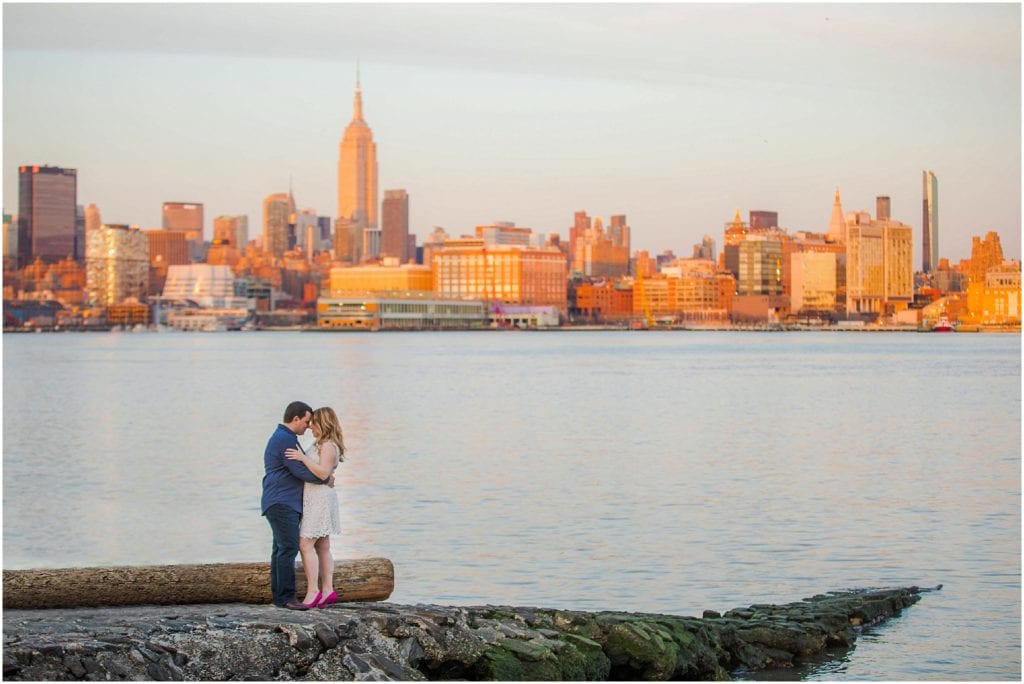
(284,478)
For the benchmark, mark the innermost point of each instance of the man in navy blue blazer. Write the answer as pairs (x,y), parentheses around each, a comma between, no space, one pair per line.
(283,482)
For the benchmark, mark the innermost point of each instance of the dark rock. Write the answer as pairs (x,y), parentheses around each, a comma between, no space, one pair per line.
(74,666)
(327,636)
(389,642)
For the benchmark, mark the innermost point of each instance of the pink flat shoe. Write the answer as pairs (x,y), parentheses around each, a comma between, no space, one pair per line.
(328,600)
(313,604)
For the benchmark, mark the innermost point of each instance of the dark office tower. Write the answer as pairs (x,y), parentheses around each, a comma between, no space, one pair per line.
(79,233)
(394,239)
(882,208)
(186,217)
(930,223)
(47,213)
(324,224)
(764,219)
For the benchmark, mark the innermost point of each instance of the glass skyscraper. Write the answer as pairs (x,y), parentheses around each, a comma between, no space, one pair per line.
(47,213)
(930,223)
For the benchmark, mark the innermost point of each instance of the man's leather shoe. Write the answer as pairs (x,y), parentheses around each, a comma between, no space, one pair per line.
(295,605)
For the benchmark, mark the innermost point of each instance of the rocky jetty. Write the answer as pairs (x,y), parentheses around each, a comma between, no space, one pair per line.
(381,641)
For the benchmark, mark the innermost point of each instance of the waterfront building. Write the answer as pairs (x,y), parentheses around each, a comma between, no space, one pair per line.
(879,265)
(395,225)
(511,274)
(696,296)
(400,311)
(116,264)
(186,217)
(604,302)
(207,285)
(388,276)
(47,213)
(930,222)
(813,282)
(278,223)
(996,299)
(357,171)
(759,265)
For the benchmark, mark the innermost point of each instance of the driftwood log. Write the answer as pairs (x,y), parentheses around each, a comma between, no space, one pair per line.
(364,579)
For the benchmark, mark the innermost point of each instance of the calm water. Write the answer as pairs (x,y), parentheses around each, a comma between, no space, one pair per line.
(667,472)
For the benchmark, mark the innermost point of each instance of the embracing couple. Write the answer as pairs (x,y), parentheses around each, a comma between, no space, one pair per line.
(300,504)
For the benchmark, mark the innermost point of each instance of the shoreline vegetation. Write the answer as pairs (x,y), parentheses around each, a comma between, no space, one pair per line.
(390,642)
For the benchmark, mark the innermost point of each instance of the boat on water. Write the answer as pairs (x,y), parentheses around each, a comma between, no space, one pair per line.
(942,325)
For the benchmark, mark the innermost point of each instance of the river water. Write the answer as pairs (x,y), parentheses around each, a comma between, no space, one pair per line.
(642,471)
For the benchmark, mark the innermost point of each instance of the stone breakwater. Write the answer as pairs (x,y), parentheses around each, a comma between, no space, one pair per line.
(380,641)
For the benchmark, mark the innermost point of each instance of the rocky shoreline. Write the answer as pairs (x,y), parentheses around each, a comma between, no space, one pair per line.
(387,642)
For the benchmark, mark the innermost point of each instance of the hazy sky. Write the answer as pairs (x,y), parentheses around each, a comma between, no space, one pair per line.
(674,114)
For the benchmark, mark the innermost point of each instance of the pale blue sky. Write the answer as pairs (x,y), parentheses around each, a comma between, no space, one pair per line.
(674,114)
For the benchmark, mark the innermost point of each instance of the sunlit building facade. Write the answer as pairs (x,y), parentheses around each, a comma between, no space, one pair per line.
(695,296)
(47,213)
(759,266)
(879,265)
(357,170)
(117,264)
(511,274)
(996,300)
(186,217)
(390,276)
(397,311)
(813,281)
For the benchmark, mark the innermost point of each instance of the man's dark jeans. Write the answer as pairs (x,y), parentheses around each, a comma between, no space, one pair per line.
(284,522)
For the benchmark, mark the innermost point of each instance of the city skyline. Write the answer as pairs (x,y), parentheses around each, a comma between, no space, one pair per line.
(607,109)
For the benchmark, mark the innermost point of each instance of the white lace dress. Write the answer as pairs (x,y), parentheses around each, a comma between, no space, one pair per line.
(320,514)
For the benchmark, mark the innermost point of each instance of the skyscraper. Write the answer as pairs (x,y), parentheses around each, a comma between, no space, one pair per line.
(47,213)
(930,223)
(117,264)
(394,239)
(278,223)
(357,170)
(186,217)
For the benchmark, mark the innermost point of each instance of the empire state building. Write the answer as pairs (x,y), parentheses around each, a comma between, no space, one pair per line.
(357,171)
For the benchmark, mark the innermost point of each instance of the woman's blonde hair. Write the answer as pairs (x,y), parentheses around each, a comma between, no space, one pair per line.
(330,429)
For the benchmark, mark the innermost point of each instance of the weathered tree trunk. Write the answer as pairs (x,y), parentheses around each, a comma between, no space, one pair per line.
(365,579)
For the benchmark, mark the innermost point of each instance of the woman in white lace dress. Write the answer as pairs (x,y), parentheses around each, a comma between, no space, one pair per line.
(320,515)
